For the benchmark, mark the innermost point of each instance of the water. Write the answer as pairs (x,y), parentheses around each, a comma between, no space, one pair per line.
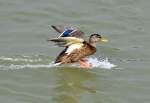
(21,62)
(27,74)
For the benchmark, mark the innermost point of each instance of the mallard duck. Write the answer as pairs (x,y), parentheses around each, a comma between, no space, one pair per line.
(76,49)
(68,32)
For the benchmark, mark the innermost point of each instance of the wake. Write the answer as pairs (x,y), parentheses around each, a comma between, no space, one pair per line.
(35,63)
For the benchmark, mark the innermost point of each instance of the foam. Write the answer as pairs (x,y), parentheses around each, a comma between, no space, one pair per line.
(21,59)
(31,66)
(30,62)
(101,63)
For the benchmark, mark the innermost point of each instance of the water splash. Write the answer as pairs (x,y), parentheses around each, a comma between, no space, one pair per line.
(101,63)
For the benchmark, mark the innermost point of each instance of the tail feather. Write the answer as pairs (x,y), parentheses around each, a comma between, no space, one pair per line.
(56,64)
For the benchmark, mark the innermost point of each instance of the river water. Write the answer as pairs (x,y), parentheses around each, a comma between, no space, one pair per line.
(27,74)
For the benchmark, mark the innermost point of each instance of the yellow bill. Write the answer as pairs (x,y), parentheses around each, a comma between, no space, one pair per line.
(104,40)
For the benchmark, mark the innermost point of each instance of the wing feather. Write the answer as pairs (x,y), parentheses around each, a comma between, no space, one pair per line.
(58,28)
(67,41)
(68,32)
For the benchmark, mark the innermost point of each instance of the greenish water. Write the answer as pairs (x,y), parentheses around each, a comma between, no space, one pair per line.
(26,74)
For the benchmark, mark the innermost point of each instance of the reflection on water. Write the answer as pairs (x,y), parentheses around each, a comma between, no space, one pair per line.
(71,84)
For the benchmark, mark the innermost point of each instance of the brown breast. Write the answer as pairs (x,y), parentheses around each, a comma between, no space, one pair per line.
(76,55)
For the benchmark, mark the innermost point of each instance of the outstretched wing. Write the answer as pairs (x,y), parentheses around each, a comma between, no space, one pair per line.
(68,32)
(67,41)
(58,28)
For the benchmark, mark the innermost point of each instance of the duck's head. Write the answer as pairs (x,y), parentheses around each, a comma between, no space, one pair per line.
(94,38)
